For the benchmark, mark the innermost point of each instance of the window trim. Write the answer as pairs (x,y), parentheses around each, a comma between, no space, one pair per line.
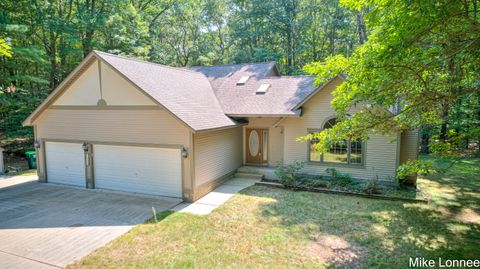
(347,164)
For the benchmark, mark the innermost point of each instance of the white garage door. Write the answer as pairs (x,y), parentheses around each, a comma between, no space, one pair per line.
(65,163)
(147,170)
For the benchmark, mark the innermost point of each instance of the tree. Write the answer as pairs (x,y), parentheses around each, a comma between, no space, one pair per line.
(420,63)
(4,48)
(49,39)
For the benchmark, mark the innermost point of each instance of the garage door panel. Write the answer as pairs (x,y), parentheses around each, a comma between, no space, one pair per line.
(65,163)
(145,170)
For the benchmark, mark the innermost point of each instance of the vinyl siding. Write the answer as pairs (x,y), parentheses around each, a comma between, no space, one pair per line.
(217,154)
(380,158)
(409,146)
(128,126)
(115,89)
(118,126)
(275,136)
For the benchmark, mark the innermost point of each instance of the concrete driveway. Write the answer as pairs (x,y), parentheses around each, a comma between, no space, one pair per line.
(51,226)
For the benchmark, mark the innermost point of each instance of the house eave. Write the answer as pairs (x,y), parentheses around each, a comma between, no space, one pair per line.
(342,77)
(220,128)
(76,73)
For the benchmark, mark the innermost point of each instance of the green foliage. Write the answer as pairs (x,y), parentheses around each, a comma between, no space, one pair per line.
(338,179)
(312,181)
(48,39)
(448,147)
(418,68)
(15,106)
(411,167)
(5,49)
(288,174)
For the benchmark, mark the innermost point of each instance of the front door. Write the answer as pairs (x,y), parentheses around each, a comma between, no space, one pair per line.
(256,146)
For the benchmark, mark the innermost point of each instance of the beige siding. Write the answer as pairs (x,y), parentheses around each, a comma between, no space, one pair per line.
(380,151)
(112,82)
(83,91)
(119,126)
(217,154)
(275,136)
(409,146)
(115,89)
(409,150)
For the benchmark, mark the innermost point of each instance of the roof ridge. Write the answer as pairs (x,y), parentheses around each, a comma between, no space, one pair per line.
(223,65)
(147,62)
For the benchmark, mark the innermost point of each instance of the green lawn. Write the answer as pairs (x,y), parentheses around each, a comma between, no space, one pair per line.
(274,228)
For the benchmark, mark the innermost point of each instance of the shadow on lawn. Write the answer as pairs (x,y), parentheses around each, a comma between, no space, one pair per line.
(384,234)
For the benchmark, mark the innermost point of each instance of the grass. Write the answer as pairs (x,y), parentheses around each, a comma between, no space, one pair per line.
(274,228)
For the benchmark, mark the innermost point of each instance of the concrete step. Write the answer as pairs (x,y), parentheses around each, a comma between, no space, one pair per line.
(267,172)
(248,175)
(250,170)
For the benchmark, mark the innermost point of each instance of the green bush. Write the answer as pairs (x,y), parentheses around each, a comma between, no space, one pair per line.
(410,167)
(312,181)
(288,174)
(338,179)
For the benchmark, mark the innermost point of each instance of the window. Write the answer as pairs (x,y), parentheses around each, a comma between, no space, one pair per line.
(344,152)
(263,88)
(243,80)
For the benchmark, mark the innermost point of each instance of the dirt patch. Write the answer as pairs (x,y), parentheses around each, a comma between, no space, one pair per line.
(467,215)
(333,249)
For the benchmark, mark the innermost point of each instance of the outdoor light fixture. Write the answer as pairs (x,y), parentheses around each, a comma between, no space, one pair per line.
(184,153)
(36,144)
(85,146)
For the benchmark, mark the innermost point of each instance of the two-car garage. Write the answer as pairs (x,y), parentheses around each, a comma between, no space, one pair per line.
(129,168)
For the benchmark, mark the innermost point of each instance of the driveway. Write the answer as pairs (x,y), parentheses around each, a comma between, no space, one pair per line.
(50,226)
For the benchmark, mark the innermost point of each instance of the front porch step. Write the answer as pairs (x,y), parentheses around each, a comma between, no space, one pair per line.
(266,172)
(250,170)
(248,175)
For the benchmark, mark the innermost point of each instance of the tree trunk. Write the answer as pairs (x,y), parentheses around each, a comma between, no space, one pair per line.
(87,43)
(424,149)
(361,28)
(444,126)
(52,55)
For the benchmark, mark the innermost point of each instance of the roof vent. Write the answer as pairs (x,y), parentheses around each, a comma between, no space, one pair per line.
(243,80)
(263,88)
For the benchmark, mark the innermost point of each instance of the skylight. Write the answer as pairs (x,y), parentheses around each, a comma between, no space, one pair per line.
(263,88)
(243,80)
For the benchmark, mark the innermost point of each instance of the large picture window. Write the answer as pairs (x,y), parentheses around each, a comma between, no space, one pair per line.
(344,152)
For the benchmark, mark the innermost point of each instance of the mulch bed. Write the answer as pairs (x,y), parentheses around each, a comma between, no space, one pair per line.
(423,200)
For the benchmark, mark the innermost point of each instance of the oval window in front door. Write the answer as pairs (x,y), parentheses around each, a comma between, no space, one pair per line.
(253,143)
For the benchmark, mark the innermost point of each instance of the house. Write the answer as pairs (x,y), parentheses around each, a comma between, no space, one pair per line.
(128,125)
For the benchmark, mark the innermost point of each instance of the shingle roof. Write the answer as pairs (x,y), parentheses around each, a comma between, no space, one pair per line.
(218,74)
(283,95)
(204,97)
(187,94)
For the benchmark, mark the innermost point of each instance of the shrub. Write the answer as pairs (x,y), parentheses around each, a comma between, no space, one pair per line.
(339,179)
(288,173)
(312,181)
(372,186)
(411,167)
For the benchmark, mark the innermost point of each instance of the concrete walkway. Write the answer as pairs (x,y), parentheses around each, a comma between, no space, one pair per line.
(216,198)
(6,181)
